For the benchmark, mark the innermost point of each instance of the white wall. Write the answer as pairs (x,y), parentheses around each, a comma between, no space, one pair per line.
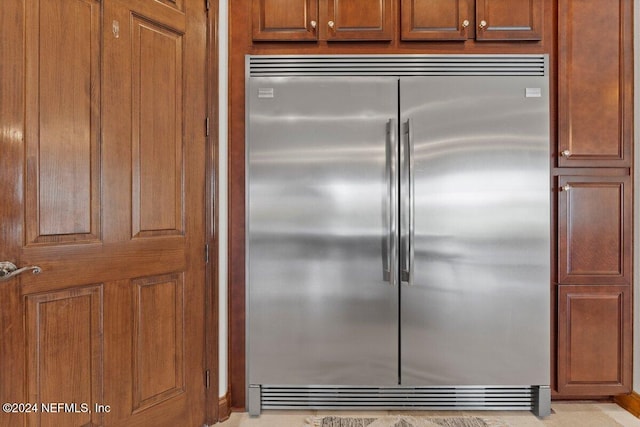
(223,26)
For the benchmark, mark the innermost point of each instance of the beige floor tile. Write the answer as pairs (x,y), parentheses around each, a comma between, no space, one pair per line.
(270,419)
(620,415)
(578,414)
(566,414)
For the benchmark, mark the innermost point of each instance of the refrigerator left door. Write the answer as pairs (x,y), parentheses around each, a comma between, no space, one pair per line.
(321,309)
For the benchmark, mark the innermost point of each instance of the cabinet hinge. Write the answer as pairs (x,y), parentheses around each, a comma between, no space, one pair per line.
(207,378)
(206,253)
(206,126)
(207,4)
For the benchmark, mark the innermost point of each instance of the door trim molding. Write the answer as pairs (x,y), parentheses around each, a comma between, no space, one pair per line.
(224,407)
(210,127)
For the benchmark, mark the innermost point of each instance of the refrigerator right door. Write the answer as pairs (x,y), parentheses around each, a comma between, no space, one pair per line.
(475,303)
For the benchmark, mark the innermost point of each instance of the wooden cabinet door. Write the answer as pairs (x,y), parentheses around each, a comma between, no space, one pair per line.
(509,19)
(285,20)
(437,19)
(594,230)
(357,20)
(595,74)
(594,340)
(101,153)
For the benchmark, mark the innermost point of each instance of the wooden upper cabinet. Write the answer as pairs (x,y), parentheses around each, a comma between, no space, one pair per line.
(466,19)
(509,19)
(595,74)
(594,230)
(332,20)
(357,20)
(437,19)
(285,20)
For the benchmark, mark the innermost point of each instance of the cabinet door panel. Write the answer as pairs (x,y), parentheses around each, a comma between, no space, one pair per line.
(359,20)
(509,20)
(594,340)
(595,74)
(437,20)
(285,19)
(594,230)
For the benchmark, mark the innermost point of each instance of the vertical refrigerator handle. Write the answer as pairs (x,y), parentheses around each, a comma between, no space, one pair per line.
(408,205)
(390,246)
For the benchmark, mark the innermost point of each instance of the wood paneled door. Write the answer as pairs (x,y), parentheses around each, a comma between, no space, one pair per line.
(102,149)
(285,19)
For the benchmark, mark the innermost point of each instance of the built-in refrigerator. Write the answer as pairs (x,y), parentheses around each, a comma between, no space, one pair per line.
(398,232)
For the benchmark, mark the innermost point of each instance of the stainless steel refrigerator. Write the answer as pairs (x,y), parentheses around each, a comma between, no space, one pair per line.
(398,232)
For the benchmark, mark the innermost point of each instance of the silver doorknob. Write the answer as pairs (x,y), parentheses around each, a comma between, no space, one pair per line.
(331,24)
(313,24)
(483,24)
(9,270)
(566,153)
(465,23)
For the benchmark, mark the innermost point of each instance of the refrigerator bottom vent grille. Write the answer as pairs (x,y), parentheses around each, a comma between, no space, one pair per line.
(396,65)
(399,398)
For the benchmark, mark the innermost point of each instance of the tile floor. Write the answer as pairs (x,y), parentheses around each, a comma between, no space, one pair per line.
(566,414)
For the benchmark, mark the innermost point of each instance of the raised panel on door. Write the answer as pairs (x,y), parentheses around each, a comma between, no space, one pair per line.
(595,73)
(62,121)
(102,143)
(157,129)
(285,20)
(64,356)
(436,20)
(594,230)
(509,19)
(158,343)
(358,20)
(594,340)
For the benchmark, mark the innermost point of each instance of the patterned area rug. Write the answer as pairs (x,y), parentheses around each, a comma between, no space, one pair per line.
(404,421)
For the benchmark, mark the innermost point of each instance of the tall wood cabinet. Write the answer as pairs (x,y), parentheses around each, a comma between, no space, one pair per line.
(594,199)
(595,92)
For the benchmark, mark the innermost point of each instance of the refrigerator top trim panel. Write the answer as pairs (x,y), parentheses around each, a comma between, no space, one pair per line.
(397,65)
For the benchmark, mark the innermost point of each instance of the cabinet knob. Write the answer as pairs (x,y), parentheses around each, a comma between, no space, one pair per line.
(465,23)
(483,24)
(565,187)
(331,24)
(313,24)
(566,153)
